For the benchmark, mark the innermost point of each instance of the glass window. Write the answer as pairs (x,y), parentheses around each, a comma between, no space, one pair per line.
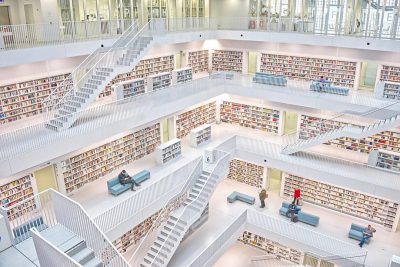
(104,10)
(91,10)
(79,10)
(253,8)
(64,9)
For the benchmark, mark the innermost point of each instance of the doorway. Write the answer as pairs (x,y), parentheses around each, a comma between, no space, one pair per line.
(178,61)
(369,72)
(46,178)
(274,179)
(29,18)
(168,129)
(252,69)
(290,125)
(4,16)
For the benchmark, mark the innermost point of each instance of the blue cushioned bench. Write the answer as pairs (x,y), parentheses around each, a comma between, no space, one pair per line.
(22,231)
(327,87)
(115,188)
(242,197)
(302,216)
(268,78)
(356,232)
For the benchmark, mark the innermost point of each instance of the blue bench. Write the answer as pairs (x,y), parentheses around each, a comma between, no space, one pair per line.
(22,231)
(242,197)
(267,78)
(356,232)
(302,216)
(115,188)
(327,87)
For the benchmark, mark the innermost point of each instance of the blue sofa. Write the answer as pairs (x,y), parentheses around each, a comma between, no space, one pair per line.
(356,232)
(268,78)
(327,87)
(115,188)
(22,231)
(242,197)
(302,216)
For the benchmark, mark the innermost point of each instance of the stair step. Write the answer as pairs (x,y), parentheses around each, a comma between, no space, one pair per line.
(87,90)
(93,81)
(51,127)
(57,123)
(105,69)
(198,197)
(151,257)
(169,236)
(99,77)
(165,247)
(83,256)
(74,104)
(177,226)
(82,94)
(69,108)
(155,250)
(79,99)
(93,263)
(73,245)
(61,117)
(164,241)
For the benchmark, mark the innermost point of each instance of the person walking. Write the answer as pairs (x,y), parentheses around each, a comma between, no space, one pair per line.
(367,234)
(125,178)
(263,195)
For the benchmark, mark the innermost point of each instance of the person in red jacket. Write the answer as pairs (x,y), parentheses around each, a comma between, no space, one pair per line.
(297,195)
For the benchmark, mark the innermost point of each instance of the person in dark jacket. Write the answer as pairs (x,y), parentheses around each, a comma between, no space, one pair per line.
(367,234)
(263,195)
(125,178)
(292,210)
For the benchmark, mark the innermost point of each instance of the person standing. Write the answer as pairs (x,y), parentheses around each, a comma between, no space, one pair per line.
(296,196)
(263,195)
(367,234)
(125,178)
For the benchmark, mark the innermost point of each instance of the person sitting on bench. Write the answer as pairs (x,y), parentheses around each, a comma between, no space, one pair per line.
(367,234)
(124,178)
(292,210)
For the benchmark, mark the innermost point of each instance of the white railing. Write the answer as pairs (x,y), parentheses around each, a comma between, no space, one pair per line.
(31,35)
(36,136)
(190,215)
(49,208)
(48,254)
(157,192)
(148,239)
(224,240)
(71,215)
(287,233)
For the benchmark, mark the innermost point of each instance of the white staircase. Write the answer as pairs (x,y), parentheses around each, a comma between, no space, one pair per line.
(346,131)
(92,76)
(178,223)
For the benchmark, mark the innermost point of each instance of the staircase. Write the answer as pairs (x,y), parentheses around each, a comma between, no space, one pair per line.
(346,131)
(92,76)
(178,223)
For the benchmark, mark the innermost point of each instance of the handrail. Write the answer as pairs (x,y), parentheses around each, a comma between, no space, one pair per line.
(85,61)
(157,222)
(191,203)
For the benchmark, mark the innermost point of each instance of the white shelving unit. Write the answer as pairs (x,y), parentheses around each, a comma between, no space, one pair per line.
(168,151)
(198,60)
(386,160)
(388,90)
(158,81)
(200,135)
(182,75)
(380,211)
(247,173)
(390,73)
(227,60)
(129,88)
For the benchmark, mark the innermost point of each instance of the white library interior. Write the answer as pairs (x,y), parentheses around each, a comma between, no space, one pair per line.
(205,104)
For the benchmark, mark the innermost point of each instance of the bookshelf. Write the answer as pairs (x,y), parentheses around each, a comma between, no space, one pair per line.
(95,163)
(168,151)
(340,72)
(24,99)
(388,90)
(247,173)
(272,247)
(311,126)
(158,81)
(16,191)
(386,160)
(200,135)
(390,73)
(227,60)
(250,116)
(196,117)
(129,88)
(198,60)
(134,235)
(182,75)
(143,69)
(383,212)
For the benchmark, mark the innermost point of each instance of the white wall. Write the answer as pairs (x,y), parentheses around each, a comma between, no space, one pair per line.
(17,12)
(49,11)
(13,7)
(229,8)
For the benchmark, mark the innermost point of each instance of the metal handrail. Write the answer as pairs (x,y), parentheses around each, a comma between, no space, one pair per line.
(156,223)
